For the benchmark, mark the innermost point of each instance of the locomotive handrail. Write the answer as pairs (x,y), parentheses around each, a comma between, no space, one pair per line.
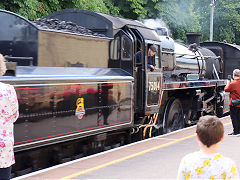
(30,59)
(20,58)
(194,56)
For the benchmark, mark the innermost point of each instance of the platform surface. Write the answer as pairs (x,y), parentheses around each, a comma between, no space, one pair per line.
(154,158)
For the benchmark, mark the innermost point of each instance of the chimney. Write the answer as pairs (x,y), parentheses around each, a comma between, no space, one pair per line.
(193,38)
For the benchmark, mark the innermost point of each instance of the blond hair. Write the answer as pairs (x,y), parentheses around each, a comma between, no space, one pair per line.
(2,65)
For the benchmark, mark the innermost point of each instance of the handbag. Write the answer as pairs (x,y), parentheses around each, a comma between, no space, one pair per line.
(235,102)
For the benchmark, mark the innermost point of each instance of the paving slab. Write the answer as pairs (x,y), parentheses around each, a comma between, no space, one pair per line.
(154,158)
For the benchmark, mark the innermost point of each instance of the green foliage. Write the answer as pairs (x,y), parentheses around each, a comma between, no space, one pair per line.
(114,10)
(92,5)
(227,21)
(32,9)
(181,16)
(132,9)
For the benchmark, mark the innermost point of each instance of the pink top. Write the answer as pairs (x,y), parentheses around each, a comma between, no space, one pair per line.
(9,114)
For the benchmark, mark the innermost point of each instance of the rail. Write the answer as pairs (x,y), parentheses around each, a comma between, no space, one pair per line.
(193,56)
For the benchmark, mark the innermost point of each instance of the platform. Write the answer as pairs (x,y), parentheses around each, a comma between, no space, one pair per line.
(154,158)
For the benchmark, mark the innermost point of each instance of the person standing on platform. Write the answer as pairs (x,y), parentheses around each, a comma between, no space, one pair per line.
(208,163)
(233,86)
(9,114)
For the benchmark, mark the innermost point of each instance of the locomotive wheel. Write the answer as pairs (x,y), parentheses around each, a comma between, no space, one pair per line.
(173,116)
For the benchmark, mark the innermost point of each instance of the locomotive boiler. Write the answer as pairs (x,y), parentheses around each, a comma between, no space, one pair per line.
(81,90)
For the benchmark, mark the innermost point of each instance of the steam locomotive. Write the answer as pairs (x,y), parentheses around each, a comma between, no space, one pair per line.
(81,90)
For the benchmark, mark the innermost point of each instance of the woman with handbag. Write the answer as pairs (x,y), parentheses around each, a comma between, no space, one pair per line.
(233,86)
(9,114)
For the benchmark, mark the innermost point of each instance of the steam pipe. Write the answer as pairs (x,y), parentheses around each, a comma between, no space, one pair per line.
(150,125)
(191,55)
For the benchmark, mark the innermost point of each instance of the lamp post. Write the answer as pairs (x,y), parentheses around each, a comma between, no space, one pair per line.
(212,5)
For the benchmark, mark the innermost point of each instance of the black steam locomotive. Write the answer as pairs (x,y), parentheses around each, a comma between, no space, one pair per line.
(81,90)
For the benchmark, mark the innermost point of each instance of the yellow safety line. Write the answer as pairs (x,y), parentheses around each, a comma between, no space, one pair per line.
(128,157)
(226,124)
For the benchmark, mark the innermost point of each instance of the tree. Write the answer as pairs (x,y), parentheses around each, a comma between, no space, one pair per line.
(132,9)
(180,16)
(32,9)
(227,21)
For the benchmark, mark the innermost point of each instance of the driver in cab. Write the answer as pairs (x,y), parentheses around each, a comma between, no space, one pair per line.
(151,53)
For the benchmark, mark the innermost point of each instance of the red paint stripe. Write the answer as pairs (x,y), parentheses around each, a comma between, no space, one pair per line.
(110,84)
(153,103)
(68,133)
(204,85)
(154,75)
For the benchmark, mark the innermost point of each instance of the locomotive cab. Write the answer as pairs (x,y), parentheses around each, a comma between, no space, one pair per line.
(127,42)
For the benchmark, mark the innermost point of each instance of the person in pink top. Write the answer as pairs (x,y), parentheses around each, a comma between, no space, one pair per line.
(9,114)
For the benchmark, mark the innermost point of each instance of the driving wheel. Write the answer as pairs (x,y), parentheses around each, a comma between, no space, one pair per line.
(173,116)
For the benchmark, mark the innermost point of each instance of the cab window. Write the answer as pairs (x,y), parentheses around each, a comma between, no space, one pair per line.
(157,64)
(114,50)
(126,48)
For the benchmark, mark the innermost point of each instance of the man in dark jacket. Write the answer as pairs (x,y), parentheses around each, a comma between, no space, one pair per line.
(234,88)
(151,52)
